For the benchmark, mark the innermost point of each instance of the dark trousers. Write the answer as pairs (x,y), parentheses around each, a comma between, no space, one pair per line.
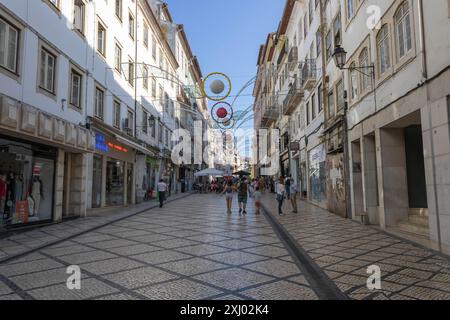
(280,204)
(161,196)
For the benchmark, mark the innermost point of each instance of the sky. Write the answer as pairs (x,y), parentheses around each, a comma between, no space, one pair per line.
(226,36)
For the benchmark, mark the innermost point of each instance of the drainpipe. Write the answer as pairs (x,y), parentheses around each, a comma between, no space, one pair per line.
(430,122)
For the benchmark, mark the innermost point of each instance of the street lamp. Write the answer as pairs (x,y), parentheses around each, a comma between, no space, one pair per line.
(340,57)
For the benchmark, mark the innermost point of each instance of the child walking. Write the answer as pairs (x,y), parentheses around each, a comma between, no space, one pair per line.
(228,191)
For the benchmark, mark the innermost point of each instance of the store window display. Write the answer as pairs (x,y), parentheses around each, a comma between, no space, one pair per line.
(26,182)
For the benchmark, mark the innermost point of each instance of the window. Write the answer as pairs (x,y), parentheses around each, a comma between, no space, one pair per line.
(99,102)
(167,138)
(55,3)
(311,11)
(160,133)
(166,103)
(329,48)
(331,107)
(153,88)
(305,25)
(145,77)
(353,82)
(403,29)
(75,88)
(154,129)
(350,8)
(383,50)
(131,72)
(144,121)
(9,45)
(145,36)
(47,71)
(161,95)
(154,48)
(116,116)
(364,62)
(318,43)
(131,25)
(337,28)
(101,39)
(79,8)
(313,107)
(118,9)
(130,117)
(118,58)
(319,97)
(308,113)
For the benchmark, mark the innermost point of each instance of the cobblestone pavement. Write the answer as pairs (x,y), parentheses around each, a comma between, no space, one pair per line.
(344,249)
(20,242)
(191,249)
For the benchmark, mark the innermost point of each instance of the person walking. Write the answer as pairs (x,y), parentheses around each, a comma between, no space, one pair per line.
(243,196)
(228,191)
(294,192)
(257,196)
(162,189)
(280,190)
(287,185)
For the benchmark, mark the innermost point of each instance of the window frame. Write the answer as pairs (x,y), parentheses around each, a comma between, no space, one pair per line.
(99,88)
(78,72)
(9,24)
(52,53)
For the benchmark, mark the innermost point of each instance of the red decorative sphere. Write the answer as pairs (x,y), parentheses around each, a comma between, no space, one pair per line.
(222,113)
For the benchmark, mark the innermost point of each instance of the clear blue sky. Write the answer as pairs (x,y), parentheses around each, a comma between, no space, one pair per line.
(226,35)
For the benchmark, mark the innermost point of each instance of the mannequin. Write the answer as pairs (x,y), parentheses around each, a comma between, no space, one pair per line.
(36,193)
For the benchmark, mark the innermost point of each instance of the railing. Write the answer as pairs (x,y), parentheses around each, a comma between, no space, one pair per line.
(293,98)
(309,74)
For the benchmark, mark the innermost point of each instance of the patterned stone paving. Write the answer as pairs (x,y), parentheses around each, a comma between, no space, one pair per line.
(191,249)
(344,250)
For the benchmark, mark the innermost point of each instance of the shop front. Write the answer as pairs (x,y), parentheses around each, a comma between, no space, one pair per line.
(317,175)
(112,172)
(27,175)
(149,180)
(285,164)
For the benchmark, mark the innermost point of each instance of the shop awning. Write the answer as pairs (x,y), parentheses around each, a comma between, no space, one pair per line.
(134,145)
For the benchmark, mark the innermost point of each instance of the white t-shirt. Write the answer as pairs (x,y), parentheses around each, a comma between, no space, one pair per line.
(280,188)
(162,186)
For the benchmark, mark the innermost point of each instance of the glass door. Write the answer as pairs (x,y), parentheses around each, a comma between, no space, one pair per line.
(97,182)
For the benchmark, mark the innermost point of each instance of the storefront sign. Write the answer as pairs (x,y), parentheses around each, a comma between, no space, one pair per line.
(100,143)
(117,147)
(22,210)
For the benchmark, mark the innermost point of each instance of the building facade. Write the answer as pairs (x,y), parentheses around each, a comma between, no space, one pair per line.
(371,136)
(88,100)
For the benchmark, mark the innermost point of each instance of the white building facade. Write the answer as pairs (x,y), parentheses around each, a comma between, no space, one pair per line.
(88,106)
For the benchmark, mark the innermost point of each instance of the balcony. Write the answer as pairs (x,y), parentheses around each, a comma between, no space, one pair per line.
(293,58)
(271,110)
(293,98)
(309,74)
